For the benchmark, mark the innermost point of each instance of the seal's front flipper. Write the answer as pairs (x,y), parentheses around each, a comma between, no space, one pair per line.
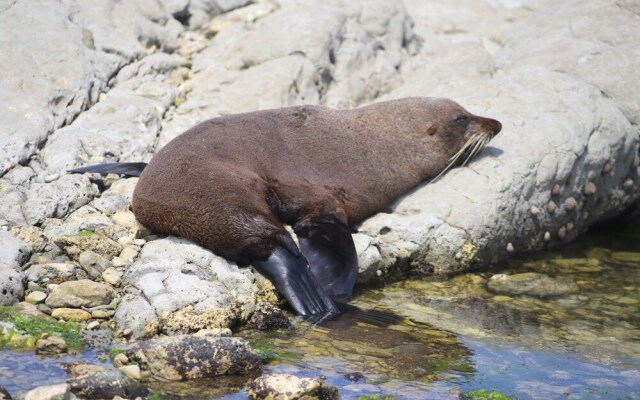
(128,169)
(290,274)
(328,247)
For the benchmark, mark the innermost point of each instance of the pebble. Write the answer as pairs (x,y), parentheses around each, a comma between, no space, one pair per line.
(570,226)
(589,189)
(128,253)
(36,297)
(102,314)
(628,183)
(458,256)
(606,168)
(125,241)
(551,207)
(535,210)
(93,325)
(118,262)
(112,276)
(132,371)
(139,242)
(509,247)
(51,178)
(70,314)
(555,191)
(547,236)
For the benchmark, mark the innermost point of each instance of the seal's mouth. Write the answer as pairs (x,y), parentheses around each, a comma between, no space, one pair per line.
(473,145)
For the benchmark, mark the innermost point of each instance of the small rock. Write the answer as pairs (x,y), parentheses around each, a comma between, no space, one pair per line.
(106,384)
(132,371)
(185,357)
(510,247)
(458,256)
(102,314)
(51,345)
(606,168)
(570,204)
(628,183)
(534,210)
(120,360)
(570,226)
(112,276)
(531,284)
(93,325)
(128,253)
(118,262)
(82,293)
(547,236)
(31,235)
(51,178)
(36,297)
(551,207)
(93,263)
(589,189)
(555,191)
(268,317)
(61,391)
(285,387)
(71,314)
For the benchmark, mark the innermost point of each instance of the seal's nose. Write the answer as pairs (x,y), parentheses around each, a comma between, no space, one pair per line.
(495,126)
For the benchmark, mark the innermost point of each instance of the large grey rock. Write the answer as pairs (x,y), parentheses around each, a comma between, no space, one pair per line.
(13,251)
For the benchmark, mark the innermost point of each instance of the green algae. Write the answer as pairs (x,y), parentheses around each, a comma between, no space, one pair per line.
(484,395)
(22,331)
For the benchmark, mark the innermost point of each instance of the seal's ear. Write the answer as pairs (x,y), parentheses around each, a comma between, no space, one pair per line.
(327,245)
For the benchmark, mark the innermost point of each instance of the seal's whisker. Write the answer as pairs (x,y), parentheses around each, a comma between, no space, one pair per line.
(476,149)
(471,148)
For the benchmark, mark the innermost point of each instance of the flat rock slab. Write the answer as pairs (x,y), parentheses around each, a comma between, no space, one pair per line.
(185,357)
(82,293)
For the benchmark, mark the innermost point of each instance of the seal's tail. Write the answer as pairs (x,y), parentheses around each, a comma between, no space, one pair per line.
(127,169)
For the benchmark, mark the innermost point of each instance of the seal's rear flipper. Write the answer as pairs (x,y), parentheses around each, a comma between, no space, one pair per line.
(328,247)
(290,274)
(128,169)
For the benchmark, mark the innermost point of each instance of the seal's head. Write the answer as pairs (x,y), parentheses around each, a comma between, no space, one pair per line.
(463,134)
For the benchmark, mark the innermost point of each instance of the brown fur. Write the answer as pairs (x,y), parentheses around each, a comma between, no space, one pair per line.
(230,183)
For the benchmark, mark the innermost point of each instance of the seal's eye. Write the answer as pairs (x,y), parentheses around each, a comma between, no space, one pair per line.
(463,119)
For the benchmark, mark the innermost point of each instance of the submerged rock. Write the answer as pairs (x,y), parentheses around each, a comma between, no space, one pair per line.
(531,284)
(51,345)
(290,387)
(106,384)
(268,317)
(179,358)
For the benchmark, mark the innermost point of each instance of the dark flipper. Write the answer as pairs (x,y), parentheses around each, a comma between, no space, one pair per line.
(329,249)
(291,275)
(128,169)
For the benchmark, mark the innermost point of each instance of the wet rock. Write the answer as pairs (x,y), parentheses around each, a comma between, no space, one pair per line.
(180,358)
(99,337)
(93,263)
(82,293)
(61,391)
(132,371)
(4,395)
(106,384)
(87,240)
(71,314)
(51,345)
(531,284)
(51,273)
(288,387)
(268,317)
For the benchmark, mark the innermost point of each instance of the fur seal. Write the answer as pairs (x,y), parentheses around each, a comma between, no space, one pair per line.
(231,183)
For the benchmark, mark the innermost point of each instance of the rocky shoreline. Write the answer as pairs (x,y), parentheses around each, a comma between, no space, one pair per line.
(116,81)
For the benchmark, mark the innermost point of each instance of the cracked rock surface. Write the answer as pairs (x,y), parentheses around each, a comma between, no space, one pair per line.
(117,81)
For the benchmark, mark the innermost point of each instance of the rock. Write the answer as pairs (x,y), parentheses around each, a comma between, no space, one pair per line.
(132,371)
(135,313)
(13,251)
(87,240)
(30,310)
(51,345)
(36,297)
(4,395)
(102,314)
(99,337)
(179,358)
(531,284)
(82,293)
(32,236)
(106,384)
(60,391)
(51,273)
(71,314)
(286,387)
(128,253)
(112,276)
(93,263)
(120,360)
(11,286)
(268,317)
